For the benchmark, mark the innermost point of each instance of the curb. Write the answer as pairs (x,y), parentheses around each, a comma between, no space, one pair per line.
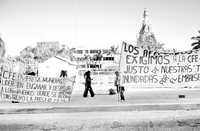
(75,109)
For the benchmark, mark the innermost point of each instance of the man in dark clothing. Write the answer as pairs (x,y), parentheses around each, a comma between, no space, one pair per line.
(88,86)
(117,81)
(121,88)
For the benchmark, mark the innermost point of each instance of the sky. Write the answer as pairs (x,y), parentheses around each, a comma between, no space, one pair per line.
(96,23)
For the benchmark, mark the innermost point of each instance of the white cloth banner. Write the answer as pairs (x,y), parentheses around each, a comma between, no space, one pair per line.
(140,68)
(24,88)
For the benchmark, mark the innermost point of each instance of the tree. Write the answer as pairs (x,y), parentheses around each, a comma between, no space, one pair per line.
(70,53)
(98,56)
(157,47)
(113,50)
(27,52)
(196,45)
(2,48)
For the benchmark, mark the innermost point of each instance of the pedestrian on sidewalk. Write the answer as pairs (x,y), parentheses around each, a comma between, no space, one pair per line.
(88,86)
(120,89)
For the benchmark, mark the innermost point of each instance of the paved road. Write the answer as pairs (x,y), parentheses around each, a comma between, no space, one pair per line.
(133,97)
(135,101)
(100,121)
(142,110)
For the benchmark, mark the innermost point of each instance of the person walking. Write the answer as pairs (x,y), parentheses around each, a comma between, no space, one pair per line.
(120,89)
(88,86)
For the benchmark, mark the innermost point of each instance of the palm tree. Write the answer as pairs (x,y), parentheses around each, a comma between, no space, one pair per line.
(196,45)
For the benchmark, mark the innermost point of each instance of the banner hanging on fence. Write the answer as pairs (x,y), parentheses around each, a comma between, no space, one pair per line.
(24,88)
(144,68)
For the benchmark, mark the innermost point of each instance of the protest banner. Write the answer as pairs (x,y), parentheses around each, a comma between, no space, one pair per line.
(25,88)
(141,68)
(101,77)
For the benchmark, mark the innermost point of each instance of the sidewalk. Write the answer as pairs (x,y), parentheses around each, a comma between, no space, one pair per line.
(135,101)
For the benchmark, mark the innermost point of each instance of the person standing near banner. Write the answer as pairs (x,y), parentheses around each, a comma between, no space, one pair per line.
(120,89)
(88,86)
(117,81)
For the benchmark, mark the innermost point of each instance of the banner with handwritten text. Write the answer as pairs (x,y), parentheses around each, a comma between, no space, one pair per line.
(24,88)
(140,68)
